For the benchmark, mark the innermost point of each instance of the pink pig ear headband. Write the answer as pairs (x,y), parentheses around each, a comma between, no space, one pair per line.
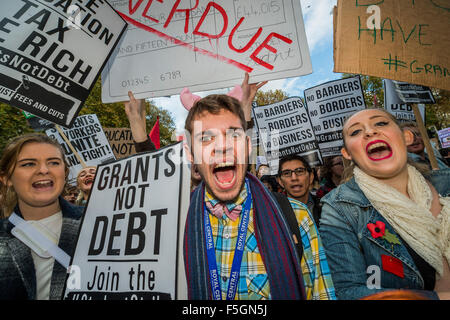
(188,99)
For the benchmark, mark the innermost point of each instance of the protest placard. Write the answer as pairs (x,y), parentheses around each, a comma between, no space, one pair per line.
(52,52)
(403,112)
(400,40)
(89,141)
(121,141)
(284,129)
(444,137)
(413,93)
(204,45)
(329,104)
(128,247)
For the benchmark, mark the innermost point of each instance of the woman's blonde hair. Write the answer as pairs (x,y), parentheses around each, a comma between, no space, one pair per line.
(81,194)
(349,165)
(8,161)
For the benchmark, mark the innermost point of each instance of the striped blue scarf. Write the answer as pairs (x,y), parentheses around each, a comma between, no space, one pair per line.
(274,239)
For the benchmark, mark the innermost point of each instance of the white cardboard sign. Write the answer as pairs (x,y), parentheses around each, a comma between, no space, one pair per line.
(128,244)
(284,129)
(329,104)
(90,142)
(204,45)
(51,53)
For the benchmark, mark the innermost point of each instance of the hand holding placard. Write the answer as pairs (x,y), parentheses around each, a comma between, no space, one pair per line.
(135,110)
(248,94)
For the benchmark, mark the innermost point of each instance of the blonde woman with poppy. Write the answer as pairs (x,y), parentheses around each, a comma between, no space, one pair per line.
(33,174)
(388,227)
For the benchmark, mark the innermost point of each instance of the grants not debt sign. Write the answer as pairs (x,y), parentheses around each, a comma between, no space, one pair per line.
(204,45)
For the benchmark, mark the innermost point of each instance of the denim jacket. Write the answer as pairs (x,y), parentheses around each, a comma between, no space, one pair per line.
(354,256)
(17,273)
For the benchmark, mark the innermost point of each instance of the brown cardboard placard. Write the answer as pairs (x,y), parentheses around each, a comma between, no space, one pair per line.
(411,44)
(121,141)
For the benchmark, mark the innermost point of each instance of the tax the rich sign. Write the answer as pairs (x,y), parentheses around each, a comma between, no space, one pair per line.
(204,45)
(51,53)
(329,104)
(128,244)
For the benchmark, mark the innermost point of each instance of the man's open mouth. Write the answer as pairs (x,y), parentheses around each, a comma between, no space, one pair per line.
(378,150)
(225,174)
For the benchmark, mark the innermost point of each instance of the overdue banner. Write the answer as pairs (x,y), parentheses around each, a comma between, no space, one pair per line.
(444,137)
(284,129)
(403,112)
(51,53)
(89,141)
(129,237)
(401,40)
(121,141)
(329,104)
(204,45)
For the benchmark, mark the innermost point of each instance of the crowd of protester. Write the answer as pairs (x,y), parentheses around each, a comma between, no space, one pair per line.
(311,233)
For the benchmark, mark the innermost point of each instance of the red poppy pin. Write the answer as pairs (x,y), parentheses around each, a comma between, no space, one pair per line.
(378,230)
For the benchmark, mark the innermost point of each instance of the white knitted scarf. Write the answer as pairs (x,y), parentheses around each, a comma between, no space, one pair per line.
(411,218)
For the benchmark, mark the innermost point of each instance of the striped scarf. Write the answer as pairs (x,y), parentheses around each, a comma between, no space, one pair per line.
(275,245)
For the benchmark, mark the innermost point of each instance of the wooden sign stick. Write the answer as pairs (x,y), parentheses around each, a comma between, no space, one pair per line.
(70,145)
(426,140)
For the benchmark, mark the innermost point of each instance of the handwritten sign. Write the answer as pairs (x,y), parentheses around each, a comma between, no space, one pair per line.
(51,53)
(400,40)
(285,128)
(88,139)
(127,245)
(204,45)
(329,104)
(121,141)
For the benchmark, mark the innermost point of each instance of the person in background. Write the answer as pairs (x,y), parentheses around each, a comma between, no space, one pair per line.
(71,193)
(262,170)
(416,149)
(386,228)
(34,172)
(85,180)
(332,173)
(296,177)
(270,182)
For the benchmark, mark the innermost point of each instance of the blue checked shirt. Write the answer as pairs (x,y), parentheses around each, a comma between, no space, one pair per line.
(253,279)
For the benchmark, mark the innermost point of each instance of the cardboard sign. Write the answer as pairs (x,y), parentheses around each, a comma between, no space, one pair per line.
(401,40)
(285,128)
(88,139)
(128,244)
(329,104)
(121,141)
(393,104)
(444,137)
(204,45)
(51,53)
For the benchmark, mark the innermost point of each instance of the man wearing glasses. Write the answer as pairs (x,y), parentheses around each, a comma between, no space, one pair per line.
(296,176)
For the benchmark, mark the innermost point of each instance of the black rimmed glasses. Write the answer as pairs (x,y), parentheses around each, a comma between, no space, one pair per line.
(298,172)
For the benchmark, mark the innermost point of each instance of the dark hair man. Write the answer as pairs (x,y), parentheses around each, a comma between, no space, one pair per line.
(237,243)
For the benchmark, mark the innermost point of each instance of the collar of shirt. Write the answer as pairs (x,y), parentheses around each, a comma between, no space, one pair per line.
(231,205)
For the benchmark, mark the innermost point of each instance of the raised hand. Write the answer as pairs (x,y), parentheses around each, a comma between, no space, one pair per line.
(249,93)
(135,111)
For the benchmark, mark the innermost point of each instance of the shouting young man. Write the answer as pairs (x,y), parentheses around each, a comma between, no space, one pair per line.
(238,244)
